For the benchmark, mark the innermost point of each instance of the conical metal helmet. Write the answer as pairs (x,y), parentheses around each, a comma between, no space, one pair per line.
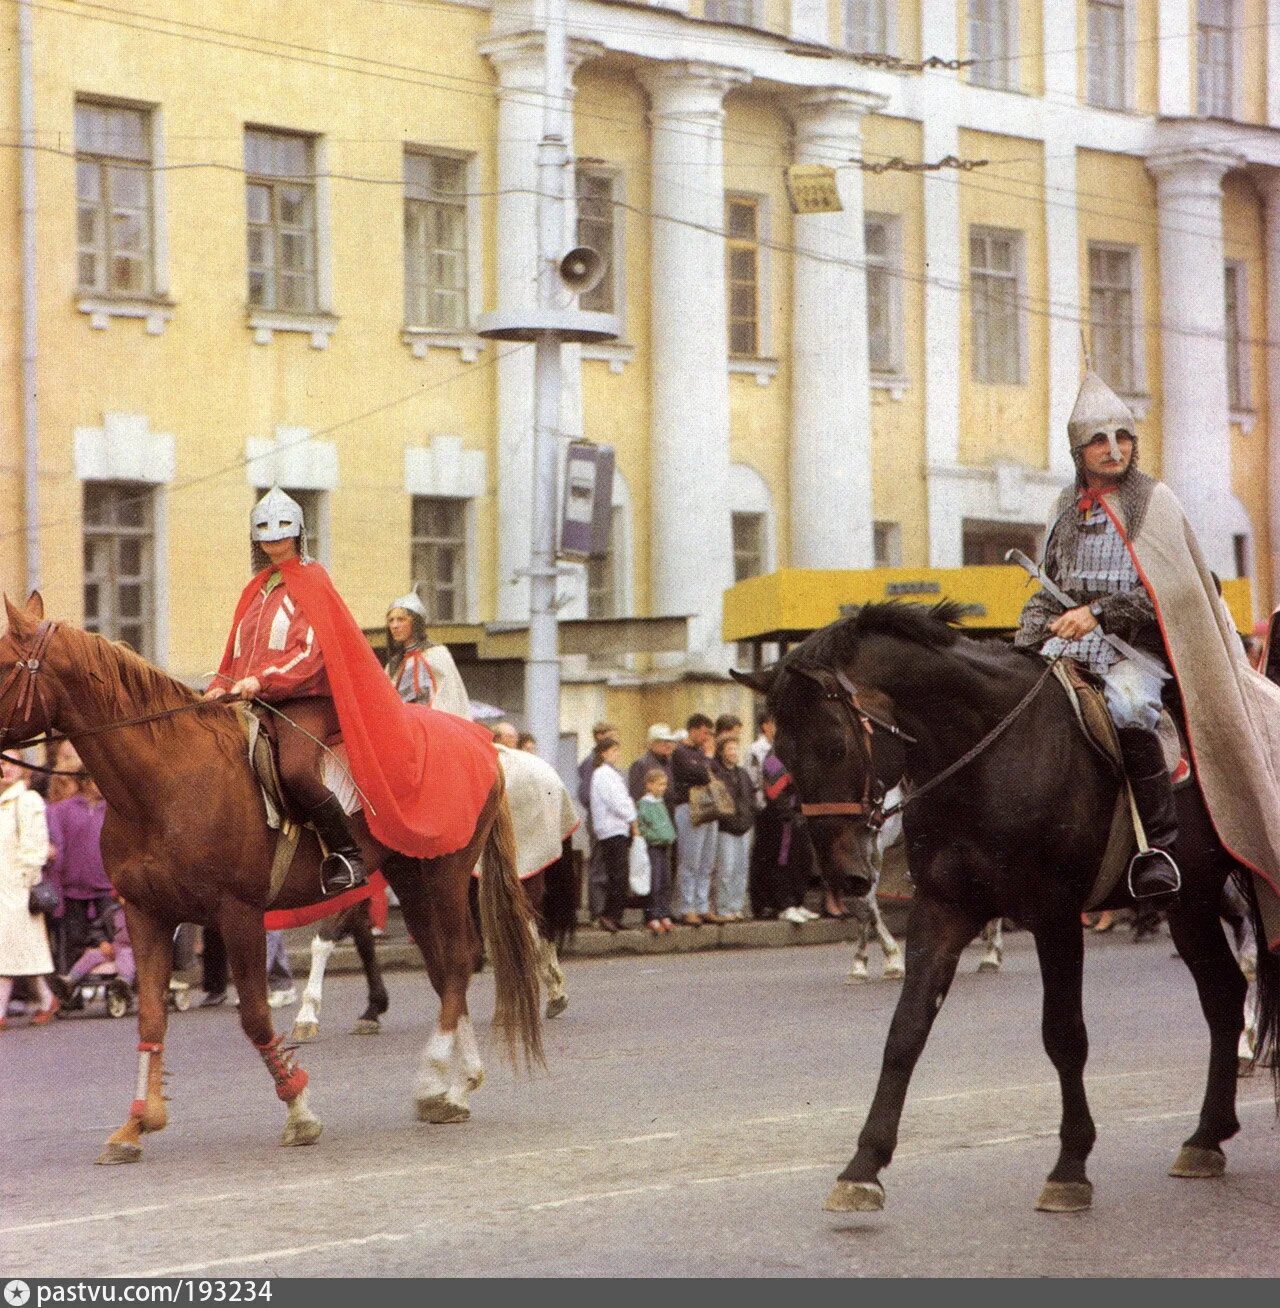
(410,603)
(275,517)
(1099,411)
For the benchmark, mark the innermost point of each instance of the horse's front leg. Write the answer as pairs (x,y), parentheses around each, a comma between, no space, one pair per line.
(306,1026)
(993,938)
(1221,986)
(1060,947)
(936,935)
(246,941)
(153,950)
(894,968)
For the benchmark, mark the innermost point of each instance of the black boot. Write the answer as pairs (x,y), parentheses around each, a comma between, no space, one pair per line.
(343,867)
(1152,872)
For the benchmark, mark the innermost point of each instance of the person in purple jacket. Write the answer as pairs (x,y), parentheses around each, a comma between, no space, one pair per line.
(75,834)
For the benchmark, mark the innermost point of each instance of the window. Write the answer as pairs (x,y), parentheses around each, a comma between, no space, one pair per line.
(995,274)
(602,573)
(596,229)
(1107,54)
(1215,75)
(1237,325)
(993,44)
(119,572)
(884,286)
(281,195)
(113,200)
(742,12)
(435,241)
(886,542)
(310,502)
(742,255)
(748,545)
(1112,316)
(988,542)
(438,556)
(866,26)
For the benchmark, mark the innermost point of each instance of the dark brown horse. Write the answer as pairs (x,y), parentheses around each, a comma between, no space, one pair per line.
(186,840)
(1018,832)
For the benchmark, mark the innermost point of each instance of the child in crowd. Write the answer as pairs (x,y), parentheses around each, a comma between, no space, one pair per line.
(659,833)
(117,948)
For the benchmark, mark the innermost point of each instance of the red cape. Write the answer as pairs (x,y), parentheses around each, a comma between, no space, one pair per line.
(424,775)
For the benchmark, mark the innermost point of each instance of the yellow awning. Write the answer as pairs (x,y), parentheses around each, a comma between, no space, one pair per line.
(790,603)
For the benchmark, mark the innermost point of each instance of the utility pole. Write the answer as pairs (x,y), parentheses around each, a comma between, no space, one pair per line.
(555,321)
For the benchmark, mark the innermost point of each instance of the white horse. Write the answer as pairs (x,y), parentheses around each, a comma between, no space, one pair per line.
(543,818)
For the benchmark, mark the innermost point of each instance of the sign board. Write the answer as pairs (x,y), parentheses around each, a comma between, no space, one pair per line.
(588,500)
(812,189)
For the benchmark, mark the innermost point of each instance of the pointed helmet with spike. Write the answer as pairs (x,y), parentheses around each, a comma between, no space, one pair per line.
(276,517)
(410,603)
(1099,411)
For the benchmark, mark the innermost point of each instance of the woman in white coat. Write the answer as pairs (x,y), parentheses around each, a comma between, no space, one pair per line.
(613,819)
(24,850)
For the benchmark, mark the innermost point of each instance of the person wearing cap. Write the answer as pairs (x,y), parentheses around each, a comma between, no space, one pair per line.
(662,742)
(295,646)
(422,671)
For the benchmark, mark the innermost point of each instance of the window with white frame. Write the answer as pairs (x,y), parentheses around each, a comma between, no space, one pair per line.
(867,26)
(986,543)
(742,260)
(603,597)
(281,193)
(1113,316)
(597,228)
(114,229)
(1237,342)
(742,12)
(882,234)
(886,544)
(1215,58)
(310,502)
(1107,52)
(119,563)
(993,43)
(435,241)
(749,544)
(438,556)
(995,297)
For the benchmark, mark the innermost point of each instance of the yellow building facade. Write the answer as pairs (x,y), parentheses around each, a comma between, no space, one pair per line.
(247,247)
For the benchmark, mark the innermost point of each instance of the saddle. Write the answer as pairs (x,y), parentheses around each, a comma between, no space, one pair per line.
(1087,700)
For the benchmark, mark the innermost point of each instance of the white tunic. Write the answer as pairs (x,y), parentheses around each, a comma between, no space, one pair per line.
(24,850)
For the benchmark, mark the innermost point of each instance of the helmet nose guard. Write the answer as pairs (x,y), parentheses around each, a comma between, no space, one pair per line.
(275,517)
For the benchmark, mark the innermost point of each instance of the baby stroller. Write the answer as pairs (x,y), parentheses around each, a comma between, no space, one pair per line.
(105,973)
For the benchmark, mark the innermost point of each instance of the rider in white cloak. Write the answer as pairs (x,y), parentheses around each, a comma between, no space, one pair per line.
(1120,544)
(423,673)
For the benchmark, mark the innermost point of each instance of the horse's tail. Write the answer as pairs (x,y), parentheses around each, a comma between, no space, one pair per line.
(510,939)
(560,900)
(1267,1049)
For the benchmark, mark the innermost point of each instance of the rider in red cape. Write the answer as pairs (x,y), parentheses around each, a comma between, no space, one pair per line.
(423,777)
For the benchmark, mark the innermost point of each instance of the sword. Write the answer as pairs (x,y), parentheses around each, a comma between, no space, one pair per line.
(1144,661)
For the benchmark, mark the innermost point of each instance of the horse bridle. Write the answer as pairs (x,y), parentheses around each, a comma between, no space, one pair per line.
(871,806)
(32,688)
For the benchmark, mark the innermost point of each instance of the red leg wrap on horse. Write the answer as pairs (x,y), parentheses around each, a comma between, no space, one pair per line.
(149,1047)
(291,1080)
(137,1108)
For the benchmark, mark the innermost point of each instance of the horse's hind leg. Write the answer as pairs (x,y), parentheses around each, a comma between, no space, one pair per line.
(993,938)
(246,941)
(935,938)
(1060,946)
(552,975)
(1221,986)
(153,949)
(306,1026)
(858,971)
(894,968)
(362,937)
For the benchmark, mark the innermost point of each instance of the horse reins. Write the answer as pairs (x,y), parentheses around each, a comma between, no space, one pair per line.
(871,806)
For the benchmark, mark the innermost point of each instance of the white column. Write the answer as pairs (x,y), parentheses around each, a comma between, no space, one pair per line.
(811,21)
(1269,185)
(1197,418)
(1273,73)
(1061,37)
(831,507)
(691,553)
(1062,251)
(518,62)
(1174,34)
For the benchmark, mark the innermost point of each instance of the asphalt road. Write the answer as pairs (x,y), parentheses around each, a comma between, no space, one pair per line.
(696,1110)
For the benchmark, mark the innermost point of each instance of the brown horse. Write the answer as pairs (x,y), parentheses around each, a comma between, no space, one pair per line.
(186,840)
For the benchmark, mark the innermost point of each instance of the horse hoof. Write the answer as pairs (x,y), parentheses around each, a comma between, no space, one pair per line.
(114,1153)
(475,1079)
(557,1005)
(894,970)
(304,1031)
(441,1110)
(1065,1197)
(855,1197)
(989,965)
(1194,1162)
(367,1026)
(1245,1066)
(301,1133)
(857,975)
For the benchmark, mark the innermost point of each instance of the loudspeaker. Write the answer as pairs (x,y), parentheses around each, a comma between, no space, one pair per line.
(582,269)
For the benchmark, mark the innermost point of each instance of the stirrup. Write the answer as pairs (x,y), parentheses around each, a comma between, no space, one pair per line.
(338,874)
(1153,874)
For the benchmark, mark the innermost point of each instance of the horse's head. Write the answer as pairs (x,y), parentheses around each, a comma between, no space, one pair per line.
(838,742)
(24,705)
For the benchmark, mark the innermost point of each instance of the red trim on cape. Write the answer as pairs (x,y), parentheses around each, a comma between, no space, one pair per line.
(284,919)
(1191,745)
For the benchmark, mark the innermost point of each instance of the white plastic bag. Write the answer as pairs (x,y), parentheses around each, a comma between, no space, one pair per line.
(639,873)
